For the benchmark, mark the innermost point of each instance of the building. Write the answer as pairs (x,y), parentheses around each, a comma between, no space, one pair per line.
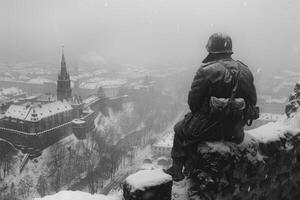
(64,90)
(33,118)
(45,112)
(164,146)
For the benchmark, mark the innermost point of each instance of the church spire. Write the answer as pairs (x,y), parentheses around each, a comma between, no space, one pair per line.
(63,67)
(63,61)
(64,90)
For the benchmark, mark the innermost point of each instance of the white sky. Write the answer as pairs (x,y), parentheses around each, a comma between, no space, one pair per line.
(265,33)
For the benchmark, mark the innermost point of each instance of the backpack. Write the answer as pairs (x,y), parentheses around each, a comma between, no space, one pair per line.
(228,108)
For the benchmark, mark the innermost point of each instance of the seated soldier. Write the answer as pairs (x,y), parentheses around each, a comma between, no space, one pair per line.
(220,80)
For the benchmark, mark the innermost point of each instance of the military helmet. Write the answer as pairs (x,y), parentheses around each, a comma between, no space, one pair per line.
(219,43)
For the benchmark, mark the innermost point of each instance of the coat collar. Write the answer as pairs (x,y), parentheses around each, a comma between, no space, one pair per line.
(215,57)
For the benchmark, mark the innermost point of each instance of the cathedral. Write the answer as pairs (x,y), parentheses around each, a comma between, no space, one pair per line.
(64,90)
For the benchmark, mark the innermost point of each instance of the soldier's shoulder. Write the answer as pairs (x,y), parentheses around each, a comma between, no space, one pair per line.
(210,65)
(241,63)
(211,70)
(204,65)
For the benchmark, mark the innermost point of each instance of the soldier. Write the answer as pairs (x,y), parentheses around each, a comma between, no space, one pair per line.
(218,81)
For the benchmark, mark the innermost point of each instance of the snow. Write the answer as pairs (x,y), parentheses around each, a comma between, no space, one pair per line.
(166,141)
(220,147)
(282,100)
(180,190)
(78,195)
(97,82)
(78,121)
(39,80)
(272,131)
(11,91)
(147,178)
(24,112)
(271,117)
(81,76)
(148,166)
(162,158)
(90,99)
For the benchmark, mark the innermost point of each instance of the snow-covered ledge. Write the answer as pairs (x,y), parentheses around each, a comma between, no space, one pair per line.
(265,166)
(78,195)
(148,185)
(143,185)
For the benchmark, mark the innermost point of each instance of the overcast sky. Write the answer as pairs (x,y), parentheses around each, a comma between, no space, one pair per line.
(265,33)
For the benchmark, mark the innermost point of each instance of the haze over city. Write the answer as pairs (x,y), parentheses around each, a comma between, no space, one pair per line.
(149,99)
(149,33)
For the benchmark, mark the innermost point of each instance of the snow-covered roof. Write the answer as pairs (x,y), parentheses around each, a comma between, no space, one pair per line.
(40,80)
(89,99)
(37,112)
(97,82)
(147,178)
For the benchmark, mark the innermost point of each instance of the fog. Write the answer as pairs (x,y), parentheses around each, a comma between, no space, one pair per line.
(151,33)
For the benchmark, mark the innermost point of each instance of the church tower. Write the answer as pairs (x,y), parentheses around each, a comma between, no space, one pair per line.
(64,90)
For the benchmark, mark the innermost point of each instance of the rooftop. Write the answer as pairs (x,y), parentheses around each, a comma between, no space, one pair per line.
(36,112)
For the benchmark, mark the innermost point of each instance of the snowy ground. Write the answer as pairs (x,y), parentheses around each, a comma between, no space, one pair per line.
(127,168)
(78,195)
(276,130)
(179,192)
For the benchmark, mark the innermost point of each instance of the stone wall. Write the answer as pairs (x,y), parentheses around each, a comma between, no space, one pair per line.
(266,166)
(148,185)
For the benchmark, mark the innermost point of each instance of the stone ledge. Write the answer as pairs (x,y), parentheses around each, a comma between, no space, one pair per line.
(148,185)
(265,166)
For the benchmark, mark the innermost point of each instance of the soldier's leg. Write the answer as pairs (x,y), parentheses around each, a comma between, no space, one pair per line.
(178,150)
(233,131)
(177,153)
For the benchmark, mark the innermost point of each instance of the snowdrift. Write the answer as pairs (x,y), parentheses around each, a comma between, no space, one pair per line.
(77,195)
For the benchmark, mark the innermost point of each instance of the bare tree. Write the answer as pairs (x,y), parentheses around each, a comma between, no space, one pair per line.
(42,185)
(56,164)
(25,186)
(13,193)
(6,153)
(92,159)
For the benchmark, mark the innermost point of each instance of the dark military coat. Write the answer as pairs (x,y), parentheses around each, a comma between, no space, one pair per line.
(216,79)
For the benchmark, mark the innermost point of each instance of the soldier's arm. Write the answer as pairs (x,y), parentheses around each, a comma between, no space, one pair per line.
(247,84)
(252,92)
(198,91)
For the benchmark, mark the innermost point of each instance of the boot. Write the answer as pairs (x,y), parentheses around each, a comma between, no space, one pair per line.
(188,167)
(176,170)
